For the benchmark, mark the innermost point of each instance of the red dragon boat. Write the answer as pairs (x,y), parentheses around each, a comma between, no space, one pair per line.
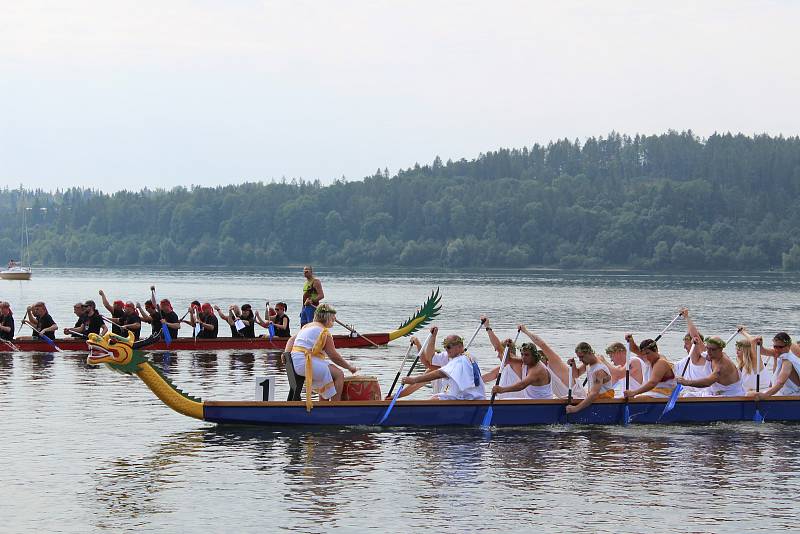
(423,316)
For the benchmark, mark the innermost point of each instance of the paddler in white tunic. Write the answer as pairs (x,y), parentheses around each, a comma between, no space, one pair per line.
(514,369)
(535,383)
(310,348)
(661,376)
(638,369)
(747,363)
(724,380)
(599,377)
(695,365)
(786,380)
(461,375)
(557,368)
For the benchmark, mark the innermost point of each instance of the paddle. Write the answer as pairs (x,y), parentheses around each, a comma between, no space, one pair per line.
(44,337)
(11,345)
(270,325)
(673,398)
(402,363)
(757,417)
(400,389)
(626,410)
(487,419)
(672,322)
(353,331)
(569,394)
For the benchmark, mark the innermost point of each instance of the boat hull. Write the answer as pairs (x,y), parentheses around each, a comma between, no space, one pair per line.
(15,275)
(222,343)
(506,412)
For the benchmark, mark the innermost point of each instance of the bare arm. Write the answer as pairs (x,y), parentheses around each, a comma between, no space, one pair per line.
(783,376)
(598,380)
(429,350)
(493,339)
(320,292)
(659,370)
(260,321)
(333,354)
(430,376)
(105,301)
(693,331)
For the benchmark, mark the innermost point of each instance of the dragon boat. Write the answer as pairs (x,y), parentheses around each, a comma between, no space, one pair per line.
(127,357)
(420,318)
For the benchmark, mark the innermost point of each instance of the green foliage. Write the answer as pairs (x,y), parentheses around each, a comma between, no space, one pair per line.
(672,201)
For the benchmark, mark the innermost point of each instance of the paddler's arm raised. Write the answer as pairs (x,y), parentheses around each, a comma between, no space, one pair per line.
(493,339)
(143,314)
(693,331)
(105,301)
(634,348)
(426,357)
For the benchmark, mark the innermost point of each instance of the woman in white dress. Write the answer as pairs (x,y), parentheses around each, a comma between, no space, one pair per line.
(310,348)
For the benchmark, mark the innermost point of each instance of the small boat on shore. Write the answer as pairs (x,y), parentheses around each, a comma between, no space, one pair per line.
(125,356)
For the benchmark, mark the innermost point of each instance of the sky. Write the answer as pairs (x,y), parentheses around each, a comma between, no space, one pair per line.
(133,94)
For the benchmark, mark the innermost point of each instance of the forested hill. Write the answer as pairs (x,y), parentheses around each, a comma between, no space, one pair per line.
(672,201)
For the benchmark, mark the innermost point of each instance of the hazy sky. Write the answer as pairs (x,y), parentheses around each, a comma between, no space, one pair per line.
(126,94)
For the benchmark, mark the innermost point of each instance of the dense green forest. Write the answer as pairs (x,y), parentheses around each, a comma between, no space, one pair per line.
(671,201)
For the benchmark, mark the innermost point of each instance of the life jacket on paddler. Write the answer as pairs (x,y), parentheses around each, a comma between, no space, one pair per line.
(314,352)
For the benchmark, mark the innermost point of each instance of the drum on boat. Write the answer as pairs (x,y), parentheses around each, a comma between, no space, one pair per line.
(361,388)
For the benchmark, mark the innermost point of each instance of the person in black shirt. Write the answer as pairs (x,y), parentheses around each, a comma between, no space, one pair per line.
(92,322)
(277,318)
(6,322)
(249,319)
(170,318)
(130,321)
(209,326)
(40,319)
(151,315)
(77,330)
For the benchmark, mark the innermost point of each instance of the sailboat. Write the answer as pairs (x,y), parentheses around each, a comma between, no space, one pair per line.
(17,270)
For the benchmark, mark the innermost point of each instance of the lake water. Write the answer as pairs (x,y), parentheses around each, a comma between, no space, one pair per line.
(84,449)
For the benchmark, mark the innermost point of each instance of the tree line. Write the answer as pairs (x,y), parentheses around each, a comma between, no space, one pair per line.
(660,202)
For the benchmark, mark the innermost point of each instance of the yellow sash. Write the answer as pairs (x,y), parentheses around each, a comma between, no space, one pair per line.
(316,350)
(607,395)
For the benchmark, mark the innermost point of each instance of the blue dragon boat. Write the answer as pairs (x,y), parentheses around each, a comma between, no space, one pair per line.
(124,355)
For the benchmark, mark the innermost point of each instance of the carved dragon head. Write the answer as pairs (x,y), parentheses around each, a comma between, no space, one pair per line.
(118,352)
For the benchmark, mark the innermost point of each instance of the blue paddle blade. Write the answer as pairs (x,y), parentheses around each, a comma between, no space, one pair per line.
(49,341)
(757,417)
(271,329)
(672,399)
(165,331)
(487,419)
(626,415)
(391,405)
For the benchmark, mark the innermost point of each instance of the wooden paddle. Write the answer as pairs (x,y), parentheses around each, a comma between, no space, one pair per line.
(353,331)
(487,419)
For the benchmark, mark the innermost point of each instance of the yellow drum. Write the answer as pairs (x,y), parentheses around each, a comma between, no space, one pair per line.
(361,388)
